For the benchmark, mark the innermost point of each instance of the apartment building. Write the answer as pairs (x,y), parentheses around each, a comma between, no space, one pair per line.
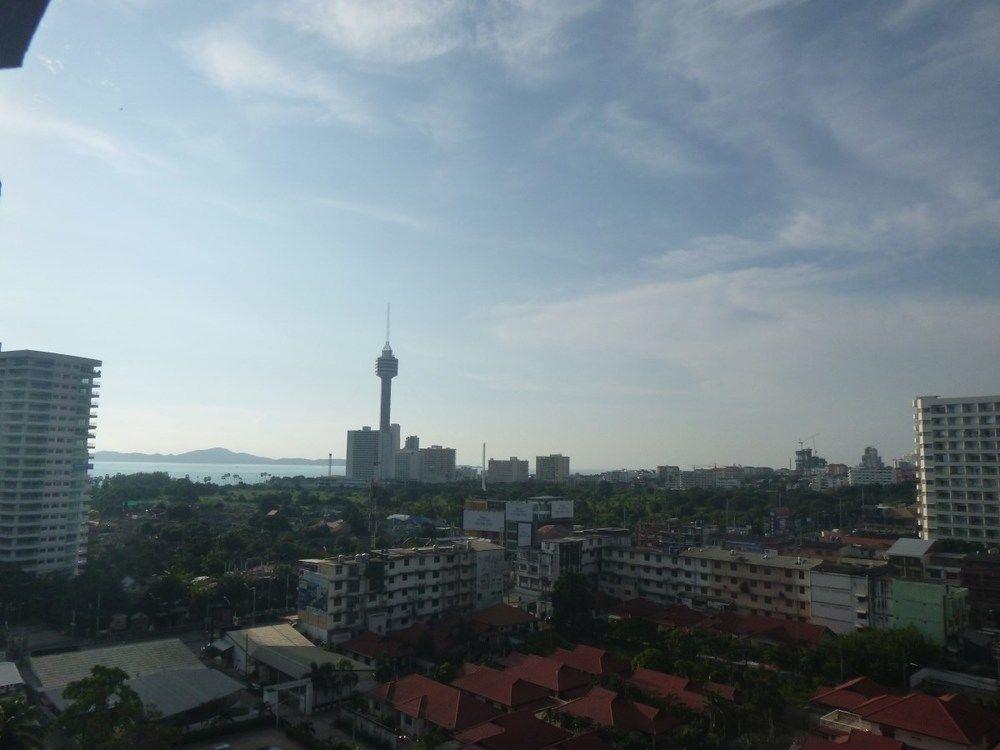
(362,454)
(387,590)
(958,472)
(846,598)
(46,422)
(537,569)
(515,524)
(553,468)
(507,471)
(712,578)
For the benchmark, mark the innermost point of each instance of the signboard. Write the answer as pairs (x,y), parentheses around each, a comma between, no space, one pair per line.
(562,508)
(520,511)
(524,535)
(482,520)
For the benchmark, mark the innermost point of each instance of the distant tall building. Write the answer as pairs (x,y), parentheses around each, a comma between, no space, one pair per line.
(507,471)
(386,367)
(412,443)
(46,414)
(362,454)
(871,470)
(871,459)
(554,468)
(437,464)
(958,474)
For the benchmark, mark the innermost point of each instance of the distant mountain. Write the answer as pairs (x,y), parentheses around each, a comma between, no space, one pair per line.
(207,456)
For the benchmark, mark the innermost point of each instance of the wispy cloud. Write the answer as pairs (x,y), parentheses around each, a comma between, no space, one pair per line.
(232,61)
(34,122)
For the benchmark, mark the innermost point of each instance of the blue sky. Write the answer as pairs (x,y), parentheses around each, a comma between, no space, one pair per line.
(633,232)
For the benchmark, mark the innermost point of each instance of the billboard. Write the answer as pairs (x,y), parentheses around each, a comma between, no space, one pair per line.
(524,535)
(561,508)
(520,511)
(482,520)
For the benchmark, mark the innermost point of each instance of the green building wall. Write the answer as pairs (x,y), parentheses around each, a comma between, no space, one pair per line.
(939,611)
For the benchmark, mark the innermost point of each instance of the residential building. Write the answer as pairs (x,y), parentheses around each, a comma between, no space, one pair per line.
(387,590)
(47,412)
(437,464)
(712,578)
(958,471)
(501,689)
(507,471)
(362,454)
(516,524)
(692,695)
(871,470)
(554,468)
(938,610)
(917,720)
(414,704)
(807,461)
(407,465)
(843,597)
(672,533)
(981,576)
(609,709)
(669,476)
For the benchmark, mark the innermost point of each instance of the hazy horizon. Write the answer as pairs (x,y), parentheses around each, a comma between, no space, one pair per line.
(634,233)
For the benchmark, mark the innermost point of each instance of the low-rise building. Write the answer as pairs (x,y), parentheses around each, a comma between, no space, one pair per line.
(388,590)
(414,704)
(939,611)
(844,597)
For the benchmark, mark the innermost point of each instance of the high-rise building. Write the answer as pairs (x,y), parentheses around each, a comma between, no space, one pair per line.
(958,474)
(437,464)
(554,468)
(362,454)
(412,443)
(46,421)
(386,367)
(507,471)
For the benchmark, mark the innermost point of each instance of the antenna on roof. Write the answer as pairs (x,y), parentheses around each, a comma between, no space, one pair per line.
(387,308)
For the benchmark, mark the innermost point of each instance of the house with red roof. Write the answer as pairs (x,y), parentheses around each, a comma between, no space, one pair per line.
(372,649)
(501,688)
(772,631)
(854,740)
(693,695)
(561,680)
(517,731)
(918,720)
(595,661)
(414,703)
(679,616)
(607,708)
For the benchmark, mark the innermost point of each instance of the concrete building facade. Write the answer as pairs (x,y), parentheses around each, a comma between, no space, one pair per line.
(389,590)
(958,471)
(507,471)
(553,468)
(362,454)
(47,412)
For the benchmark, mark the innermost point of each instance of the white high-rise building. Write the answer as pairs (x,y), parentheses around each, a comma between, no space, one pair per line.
(362,454)
(554,468)
(958,474)
(46,422)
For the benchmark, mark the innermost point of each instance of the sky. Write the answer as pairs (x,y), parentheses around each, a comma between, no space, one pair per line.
(632,232)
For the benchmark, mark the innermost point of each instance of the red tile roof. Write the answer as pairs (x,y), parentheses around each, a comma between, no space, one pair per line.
(370,645)
(849,695)
(585,741)
(502,615)
(854,741)
(953,718)
(443,705)
(516,731)
(501,687)
(693,695)
(640,608)
(549,673)
(679,616)
(772,628)
(607,708)
(591,660)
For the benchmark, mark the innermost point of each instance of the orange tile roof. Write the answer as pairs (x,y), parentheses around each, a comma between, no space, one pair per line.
(440,704)
(520,730)
(501,687)
(693,695)
(607,708)
(849,695)
(595,661)
(856,740)
(953,718)
(549,673)
(502,615)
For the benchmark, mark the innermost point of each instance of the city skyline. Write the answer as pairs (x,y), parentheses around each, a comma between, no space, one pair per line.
(625,232)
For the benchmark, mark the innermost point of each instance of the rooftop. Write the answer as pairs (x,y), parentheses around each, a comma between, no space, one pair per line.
(446,706)
(763,559)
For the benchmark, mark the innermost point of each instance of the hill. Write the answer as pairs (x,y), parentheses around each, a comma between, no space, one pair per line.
(207,456)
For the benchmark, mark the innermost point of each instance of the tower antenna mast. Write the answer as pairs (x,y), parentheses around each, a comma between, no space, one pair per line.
(387,309)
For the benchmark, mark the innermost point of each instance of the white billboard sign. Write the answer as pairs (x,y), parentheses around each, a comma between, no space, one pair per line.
(520,511)
(561,508)
(482,520)
(524,535)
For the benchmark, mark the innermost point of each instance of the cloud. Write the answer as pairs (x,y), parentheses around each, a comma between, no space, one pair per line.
(32,122)
(233,62)
(376,213)
(55,66)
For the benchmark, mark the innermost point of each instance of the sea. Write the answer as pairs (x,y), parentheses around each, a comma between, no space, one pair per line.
(216,473)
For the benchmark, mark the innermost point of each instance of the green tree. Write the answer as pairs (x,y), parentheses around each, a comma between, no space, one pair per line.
(572,605)
(102,709)
(19,724)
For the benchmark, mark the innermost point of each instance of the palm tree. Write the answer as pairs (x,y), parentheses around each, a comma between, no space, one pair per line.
(19,724)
